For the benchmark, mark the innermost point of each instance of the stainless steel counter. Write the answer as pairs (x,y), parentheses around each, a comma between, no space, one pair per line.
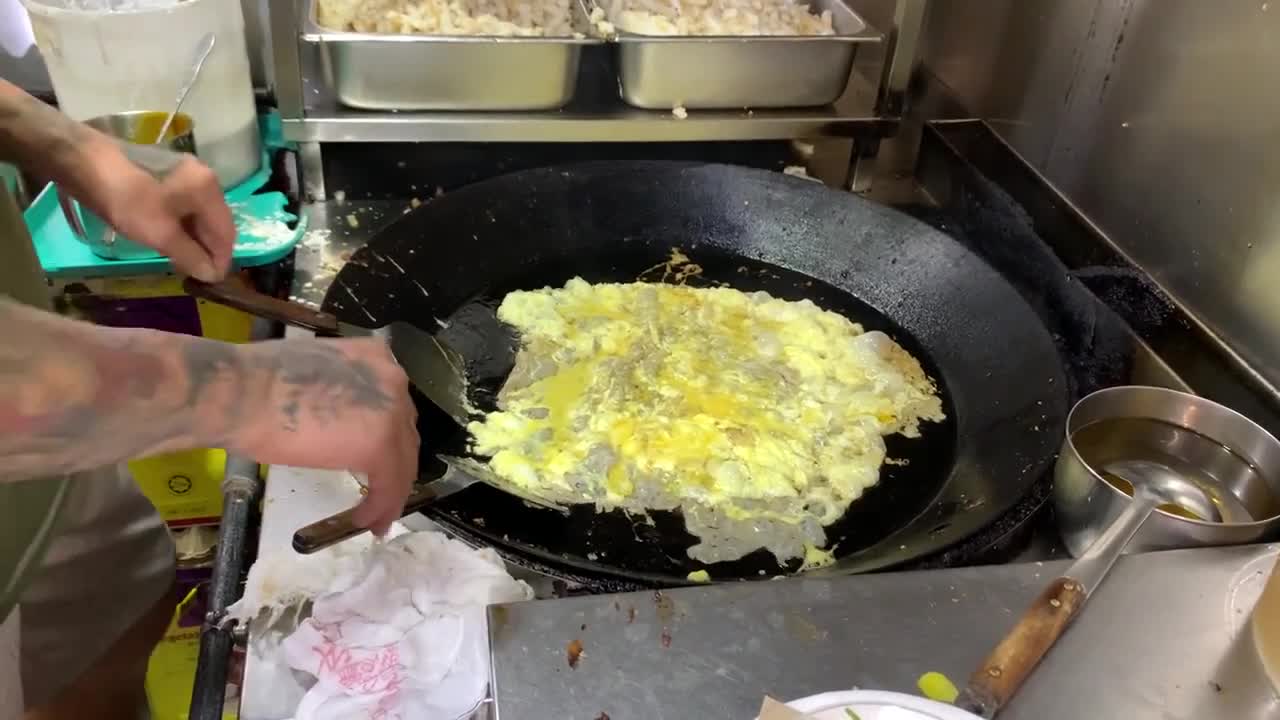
(1166,637)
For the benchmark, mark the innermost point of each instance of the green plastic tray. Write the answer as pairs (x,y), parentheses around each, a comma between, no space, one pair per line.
(261,219)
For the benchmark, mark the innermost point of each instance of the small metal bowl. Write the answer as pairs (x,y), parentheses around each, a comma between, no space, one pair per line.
(142,127)
(1226,453)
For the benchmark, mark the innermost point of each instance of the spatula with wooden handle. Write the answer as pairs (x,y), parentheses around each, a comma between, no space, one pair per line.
(341,526)
(460,474)
(433,367)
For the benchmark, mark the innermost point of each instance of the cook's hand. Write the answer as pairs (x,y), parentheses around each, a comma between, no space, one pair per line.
(340,404)
(183,215)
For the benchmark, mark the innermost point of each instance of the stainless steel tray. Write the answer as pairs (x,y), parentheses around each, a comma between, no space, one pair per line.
(727,72)
(374,71)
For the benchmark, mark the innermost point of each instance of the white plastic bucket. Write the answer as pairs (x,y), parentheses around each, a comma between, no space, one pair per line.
(138,55)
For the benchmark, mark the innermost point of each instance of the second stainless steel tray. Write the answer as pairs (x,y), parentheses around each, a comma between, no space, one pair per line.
(375,71)
(720,72)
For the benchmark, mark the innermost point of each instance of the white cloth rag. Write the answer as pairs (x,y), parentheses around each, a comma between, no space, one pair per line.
(283,580)
(407,638)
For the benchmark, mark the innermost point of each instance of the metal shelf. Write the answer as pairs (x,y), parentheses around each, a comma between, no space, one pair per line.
(621,124)
(596,114)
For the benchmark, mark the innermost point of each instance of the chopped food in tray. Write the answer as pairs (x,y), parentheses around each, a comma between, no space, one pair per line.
(503,18)
(760,419)
(744,18)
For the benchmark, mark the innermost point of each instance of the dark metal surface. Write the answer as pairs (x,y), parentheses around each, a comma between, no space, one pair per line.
(1002,379)
(422,170)
(1111,325)
(240,490)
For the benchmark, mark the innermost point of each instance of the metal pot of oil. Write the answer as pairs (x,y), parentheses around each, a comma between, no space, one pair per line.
(1232,459)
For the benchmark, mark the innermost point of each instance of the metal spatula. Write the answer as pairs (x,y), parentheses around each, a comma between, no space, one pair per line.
(433,367)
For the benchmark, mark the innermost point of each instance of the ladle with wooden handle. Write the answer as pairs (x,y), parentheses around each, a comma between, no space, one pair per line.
(1016,656)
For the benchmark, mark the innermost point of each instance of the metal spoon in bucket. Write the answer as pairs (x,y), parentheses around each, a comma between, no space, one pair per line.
(1013,659)
(202,53)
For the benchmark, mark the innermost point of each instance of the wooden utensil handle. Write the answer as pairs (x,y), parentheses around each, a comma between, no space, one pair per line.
(1005,669)
(341,526)
(323,533)
(235,293)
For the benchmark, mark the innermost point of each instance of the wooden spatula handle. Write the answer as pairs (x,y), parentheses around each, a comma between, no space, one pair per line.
(323,533)
(340,526)
(1005,669)
(235,293)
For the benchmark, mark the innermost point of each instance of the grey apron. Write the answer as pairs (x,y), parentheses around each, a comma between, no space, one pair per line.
(28,509)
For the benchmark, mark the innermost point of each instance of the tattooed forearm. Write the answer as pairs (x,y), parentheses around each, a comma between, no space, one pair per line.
(37,137)
(75,396)
(314,380)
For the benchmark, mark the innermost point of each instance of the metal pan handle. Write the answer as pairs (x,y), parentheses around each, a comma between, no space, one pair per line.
(235,293)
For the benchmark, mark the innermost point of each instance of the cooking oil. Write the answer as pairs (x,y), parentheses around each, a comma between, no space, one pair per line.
(1126,487)
(1231,481)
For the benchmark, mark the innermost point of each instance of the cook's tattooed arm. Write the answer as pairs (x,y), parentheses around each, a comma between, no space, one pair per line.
(74,396)
(37,137)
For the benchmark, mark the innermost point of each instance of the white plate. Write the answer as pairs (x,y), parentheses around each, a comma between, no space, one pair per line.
(876,705)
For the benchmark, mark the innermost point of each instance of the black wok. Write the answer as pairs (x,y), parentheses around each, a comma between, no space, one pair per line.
(1001,378)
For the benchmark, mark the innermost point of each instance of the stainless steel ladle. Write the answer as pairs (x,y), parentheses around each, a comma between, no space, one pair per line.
(1014,658)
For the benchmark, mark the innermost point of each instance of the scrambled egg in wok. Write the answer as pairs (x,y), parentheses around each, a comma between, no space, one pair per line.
(761,419)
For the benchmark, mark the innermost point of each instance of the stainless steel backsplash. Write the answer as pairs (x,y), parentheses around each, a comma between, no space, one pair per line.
(1159,119)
